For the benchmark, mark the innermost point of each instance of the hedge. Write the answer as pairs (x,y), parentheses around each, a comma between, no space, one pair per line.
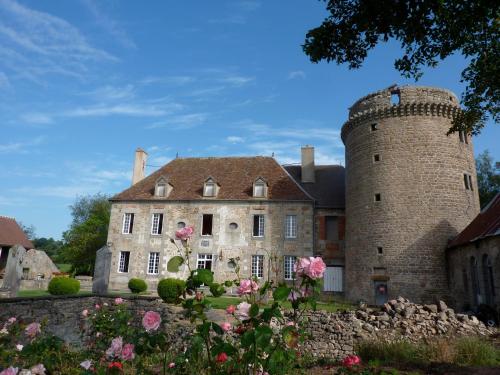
(60,286)
(171,289)
(137,285)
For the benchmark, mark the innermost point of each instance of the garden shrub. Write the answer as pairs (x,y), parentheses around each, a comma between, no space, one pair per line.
(59,286)
(398,352)
(171,289)
(137,285)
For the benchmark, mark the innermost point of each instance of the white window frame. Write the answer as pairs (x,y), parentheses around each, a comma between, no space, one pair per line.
(212,186)
(154,263)
(155,224)
(121,262)
(288,267)
(261,226)
(127,220)
(291,226)
(158,187)
(257,266)
(259,185)
(202,259)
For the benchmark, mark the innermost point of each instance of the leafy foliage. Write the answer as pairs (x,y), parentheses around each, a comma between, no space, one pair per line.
(137,285)
(51,246)
(170,290)
(87,234)
(488,178)
(63,286)
(429,31)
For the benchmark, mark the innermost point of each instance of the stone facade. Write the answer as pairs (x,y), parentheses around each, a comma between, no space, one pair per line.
(405,193)
(225,242)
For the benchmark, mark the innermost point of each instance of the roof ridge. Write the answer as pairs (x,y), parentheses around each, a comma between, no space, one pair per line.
(8,217)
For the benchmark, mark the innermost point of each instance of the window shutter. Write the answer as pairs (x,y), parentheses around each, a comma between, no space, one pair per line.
(341,227)
(160,224)
(322,228)
(131,223)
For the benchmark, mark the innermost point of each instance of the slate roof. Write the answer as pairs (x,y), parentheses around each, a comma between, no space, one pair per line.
(11,234)
(234,175)
(486,224)
(329,188)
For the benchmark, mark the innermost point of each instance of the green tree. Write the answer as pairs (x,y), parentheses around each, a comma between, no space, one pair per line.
(428,31)
(488,179)
(51,246)
(29,230)
(87,234)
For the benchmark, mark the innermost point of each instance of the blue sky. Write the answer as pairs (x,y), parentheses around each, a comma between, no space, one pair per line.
(84,83)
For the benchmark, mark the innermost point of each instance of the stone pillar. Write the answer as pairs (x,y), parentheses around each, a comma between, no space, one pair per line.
(14,270)
(101,271)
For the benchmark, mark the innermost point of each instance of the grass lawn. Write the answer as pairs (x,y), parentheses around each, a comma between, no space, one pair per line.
(43,293)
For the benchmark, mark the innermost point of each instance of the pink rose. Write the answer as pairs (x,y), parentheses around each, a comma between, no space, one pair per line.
(128,352)
(19,347)
(313,267)
(225,326)
(87,364)
(184,233)
(242,311)
(85,312)
(351,360)
(171,365)
(98,334)
(116,347)
(221,357)
(118,301)
(97,306)
(151,321)
(247,287)
(230,309)
(38,369)
(10,371)
(33,329)
(11,320)
(293,296)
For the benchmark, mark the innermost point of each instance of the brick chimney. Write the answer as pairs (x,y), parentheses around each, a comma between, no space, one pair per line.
(139,165)
(308,173)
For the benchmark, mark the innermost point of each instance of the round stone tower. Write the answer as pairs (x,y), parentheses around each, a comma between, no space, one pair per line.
(410,188)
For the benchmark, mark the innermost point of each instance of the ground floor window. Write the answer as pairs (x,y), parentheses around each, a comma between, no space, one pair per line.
(258,266)
(153,263)
(289,265)
(124,261)
(205,261)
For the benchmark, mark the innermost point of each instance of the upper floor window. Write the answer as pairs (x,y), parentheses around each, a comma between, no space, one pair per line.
(204,261)
(291,226)
(207,224)
(153,263)
(463,137)
(128,223)
(162,187)
(468,181)
(157,224)
(259,188)
(258,266)
(124,261)
(289,265)
(331,228)
(258,225)
(210,188)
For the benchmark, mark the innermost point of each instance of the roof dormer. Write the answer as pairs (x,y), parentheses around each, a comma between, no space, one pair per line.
(210,188)
(260,188)
(162,187)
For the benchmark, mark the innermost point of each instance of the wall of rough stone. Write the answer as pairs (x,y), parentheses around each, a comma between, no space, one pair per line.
(225,242)
(419,177)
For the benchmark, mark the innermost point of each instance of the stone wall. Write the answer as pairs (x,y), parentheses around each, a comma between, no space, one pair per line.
(417,170)
(225,242)
(333,335)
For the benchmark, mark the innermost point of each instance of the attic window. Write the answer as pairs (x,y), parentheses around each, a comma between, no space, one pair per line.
(160,190)
(210,188)
(162,187)
(259,188)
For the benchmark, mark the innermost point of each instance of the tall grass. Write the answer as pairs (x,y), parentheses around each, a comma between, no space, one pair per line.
(473,351)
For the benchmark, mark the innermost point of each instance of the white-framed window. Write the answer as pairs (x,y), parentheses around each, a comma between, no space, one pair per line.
(288,264)
(156,224)
(153,263)
(205,261)
(258,225)
(124,261)
(258,266)
(209,190)
(160,190)
(259,190)
(128,223)
(291,226)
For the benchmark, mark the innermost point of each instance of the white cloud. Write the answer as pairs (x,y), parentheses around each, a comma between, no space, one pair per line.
(297,74)
(235,139)
(237,80)
(12,201)
(130,109)
(24,147)
(36,118)
(109,93)
(168,80)
(159,161)
(185,121)
(4,80)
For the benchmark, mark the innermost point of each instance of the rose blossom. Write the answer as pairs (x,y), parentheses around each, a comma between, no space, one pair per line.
(171,365)
(118,301)
(38,369)
(128,352)
(10,371)
(116,347)
(225,326)
(242,312)
(11,320)
(98,334)
(184,233)
(33,329)
(313,267)
(4,331)
(151,321)
(230,309)
(105,304)
(351,360)
(19,347)
(247,287)
(221,357)
(85,312)
(118,365)
(97,306)
(86,364)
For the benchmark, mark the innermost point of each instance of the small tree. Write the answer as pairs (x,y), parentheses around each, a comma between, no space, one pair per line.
(488,178)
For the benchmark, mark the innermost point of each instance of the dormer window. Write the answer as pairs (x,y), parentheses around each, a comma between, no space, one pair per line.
(259,188)
(162,187)
(210,188)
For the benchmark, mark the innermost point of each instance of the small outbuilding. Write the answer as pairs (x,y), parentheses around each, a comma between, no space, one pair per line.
(10,234)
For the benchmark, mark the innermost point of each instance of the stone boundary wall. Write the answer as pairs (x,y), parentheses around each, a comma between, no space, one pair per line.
(333,335)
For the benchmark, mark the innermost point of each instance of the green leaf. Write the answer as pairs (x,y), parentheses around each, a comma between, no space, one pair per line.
(281,293)
(174,263)
(217,328)
(202,276)
(290,336)
(254,310)
(228,283)
(247,339)
(263,335)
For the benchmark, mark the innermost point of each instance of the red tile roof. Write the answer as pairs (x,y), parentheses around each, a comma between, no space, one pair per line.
(11,234)
(486,224)
(234,175)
